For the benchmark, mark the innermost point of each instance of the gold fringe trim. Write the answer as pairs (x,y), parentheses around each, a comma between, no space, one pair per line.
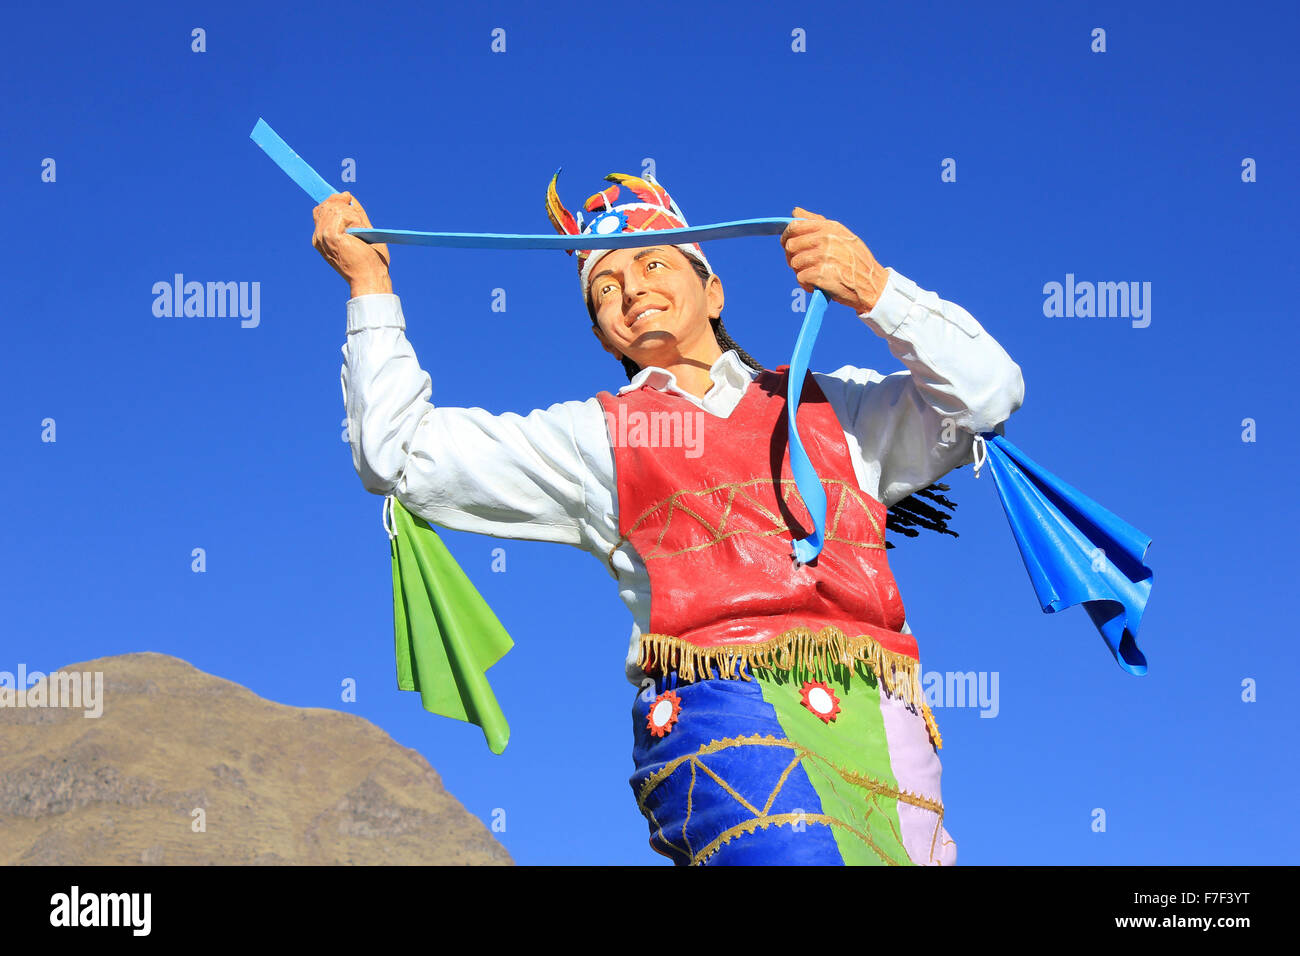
(818,651)
(933,725)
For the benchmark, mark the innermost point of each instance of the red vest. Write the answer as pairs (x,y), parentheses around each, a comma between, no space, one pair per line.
(702,503)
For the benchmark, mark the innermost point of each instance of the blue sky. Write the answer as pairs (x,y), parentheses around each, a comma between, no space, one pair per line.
(177,433)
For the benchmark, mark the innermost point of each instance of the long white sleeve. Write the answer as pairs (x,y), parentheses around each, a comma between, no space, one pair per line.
(507,475)
(909,429)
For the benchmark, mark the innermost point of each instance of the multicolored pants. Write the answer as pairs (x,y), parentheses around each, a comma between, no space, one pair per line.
(786,770)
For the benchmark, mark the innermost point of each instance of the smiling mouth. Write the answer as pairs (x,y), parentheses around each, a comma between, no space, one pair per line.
(649,313)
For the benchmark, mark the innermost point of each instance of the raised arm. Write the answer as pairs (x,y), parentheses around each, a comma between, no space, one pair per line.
(913,427)
(507,475)
(908,429)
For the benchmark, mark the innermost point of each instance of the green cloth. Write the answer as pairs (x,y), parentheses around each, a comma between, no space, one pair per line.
(870,832)
(446,635)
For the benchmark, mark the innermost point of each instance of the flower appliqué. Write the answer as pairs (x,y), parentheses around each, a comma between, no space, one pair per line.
(608,223)
(663,713)
(818,697)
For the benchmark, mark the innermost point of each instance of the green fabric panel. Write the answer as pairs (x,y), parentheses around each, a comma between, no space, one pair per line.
(446,636)
(406,679)
(854,741)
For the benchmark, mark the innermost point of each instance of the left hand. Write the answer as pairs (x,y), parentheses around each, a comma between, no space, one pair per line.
(825,255)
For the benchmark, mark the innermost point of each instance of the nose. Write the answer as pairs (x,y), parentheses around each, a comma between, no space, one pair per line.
(632,289)
(631,292)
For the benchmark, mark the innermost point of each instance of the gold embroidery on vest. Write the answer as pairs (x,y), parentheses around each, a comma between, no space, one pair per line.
(677,503)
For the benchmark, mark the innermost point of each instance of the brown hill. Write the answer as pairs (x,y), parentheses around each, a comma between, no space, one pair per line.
(277,784)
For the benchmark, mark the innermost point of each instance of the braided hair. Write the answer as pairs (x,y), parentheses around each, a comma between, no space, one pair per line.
(920,511)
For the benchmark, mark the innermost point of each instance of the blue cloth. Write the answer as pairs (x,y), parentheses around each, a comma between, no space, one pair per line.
(1076,552)
(712,710)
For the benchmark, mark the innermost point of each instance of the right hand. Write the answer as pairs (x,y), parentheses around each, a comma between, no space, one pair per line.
(359,262)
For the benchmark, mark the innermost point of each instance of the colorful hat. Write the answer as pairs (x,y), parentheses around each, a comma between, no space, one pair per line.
(655,210)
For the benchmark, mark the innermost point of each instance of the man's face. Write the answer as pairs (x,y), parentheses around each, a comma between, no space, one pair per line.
(629,283)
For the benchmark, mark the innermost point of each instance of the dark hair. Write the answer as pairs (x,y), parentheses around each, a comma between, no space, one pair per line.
(905,516)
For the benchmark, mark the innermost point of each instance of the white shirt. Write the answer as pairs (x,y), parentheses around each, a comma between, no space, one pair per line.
(549,475)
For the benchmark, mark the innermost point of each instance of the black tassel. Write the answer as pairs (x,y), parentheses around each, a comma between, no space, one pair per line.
(912,513)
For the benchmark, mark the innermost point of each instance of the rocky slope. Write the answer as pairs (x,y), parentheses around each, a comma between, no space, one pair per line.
(276,784)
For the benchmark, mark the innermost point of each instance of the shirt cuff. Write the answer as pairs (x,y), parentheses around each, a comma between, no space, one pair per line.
(379,310)
(895,302)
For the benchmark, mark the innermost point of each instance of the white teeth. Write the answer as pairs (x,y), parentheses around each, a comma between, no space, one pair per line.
(647,312)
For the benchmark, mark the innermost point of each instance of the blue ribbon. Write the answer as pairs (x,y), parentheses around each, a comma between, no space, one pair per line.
(293,165)
(297,169)
(805,476)
(773,226)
